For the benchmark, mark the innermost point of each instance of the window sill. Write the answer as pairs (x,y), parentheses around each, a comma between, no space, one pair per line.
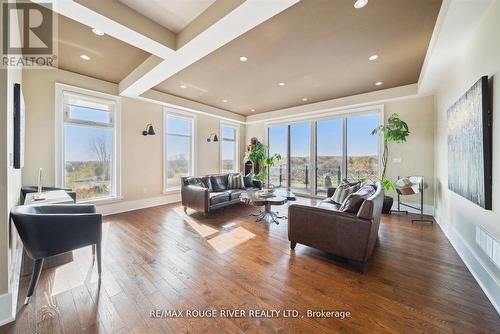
(102,201)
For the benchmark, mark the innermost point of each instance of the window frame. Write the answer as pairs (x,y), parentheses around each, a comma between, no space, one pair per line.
(343,115)
(62,118)
(185,115)
(236,127)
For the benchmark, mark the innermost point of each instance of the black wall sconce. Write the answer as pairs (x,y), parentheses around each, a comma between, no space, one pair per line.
(212,138)
(149,130)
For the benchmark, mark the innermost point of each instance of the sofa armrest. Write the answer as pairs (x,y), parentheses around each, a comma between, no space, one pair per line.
(330,191)
(195,197)
(337,232)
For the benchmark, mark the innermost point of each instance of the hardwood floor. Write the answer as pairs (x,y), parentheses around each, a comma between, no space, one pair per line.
(159,258)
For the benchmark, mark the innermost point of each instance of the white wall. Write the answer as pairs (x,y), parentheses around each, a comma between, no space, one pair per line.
(142,156)
(458,216)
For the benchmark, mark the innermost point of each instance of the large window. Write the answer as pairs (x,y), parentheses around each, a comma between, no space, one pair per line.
(319,154)
(229,134)
(87,143)
(179,148)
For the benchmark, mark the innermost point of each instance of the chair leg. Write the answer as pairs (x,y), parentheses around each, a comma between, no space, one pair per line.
(98,253)
(37,269)
(292,244)
(93,253)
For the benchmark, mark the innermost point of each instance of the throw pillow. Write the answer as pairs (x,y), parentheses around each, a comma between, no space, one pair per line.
(195,181)
(248,181)
(208,184)
(219,182)
(235,181)
(353,202)
(343,191)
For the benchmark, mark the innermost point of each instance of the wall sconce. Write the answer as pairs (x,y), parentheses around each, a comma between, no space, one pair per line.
(212,137)
(149,130)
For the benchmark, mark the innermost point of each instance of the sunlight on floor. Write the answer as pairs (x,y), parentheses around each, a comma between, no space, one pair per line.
(229,240)
(201,229)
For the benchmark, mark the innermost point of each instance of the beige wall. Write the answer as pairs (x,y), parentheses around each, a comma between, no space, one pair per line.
(142,156)
(480,56)
(416,155)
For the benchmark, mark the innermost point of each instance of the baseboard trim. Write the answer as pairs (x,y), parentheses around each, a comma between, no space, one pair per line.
(486,280)
(428,209)
(6,312)
(124,206)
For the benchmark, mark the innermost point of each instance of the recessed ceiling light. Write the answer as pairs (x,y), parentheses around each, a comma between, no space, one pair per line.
(85,57)
(373,57)
(360,4)
(184,86)
(378,83)
(98,32)
(243,58)
(252,110)
(225,101)
(281,84)
(304,99)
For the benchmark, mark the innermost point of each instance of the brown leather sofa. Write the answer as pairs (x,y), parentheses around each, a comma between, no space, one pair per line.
(348,235)
(210,192)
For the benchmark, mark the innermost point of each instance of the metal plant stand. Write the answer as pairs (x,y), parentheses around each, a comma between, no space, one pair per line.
(417,186)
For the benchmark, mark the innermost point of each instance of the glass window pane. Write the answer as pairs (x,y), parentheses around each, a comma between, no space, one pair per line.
(228,133)
(228,155)
(179,125)
(329,154)
(88,167)
(178,159)
(300,146)
(278,174)
(89,114)
(362,147)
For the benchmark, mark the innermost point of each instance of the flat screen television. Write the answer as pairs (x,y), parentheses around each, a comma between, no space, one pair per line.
(18,127)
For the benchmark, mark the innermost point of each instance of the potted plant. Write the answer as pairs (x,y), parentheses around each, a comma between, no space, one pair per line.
(258,155)
(394,131)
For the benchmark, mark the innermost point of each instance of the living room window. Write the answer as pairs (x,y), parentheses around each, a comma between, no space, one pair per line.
(229,143)
(319,153)
(179,147)
(87,143)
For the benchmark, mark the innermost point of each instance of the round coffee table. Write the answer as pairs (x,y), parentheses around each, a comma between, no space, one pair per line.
(267,215)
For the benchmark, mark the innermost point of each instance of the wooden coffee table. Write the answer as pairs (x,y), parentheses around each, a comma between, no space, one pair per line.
(280,197)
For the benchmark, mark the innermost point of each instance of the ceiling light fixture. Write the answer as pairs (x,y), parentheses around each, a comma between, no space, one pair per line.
(184,86)
(85,57)
(373,57)
(252,110)
(97,32)
(360,4)
(243,58)
(304,99)
(378,83)
(225,101)
(281,84)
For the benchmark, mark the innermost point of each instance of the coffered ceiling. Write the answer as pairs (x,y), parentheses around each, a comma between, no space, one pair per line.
(319,49)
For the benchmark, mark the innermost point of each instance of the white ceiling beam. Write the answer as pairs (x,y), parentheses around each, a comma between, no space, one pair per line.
(92,19)
(242,19)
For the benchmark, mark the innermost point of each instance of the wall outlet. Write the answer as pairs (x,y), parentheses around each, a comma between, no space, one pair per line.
(489,245)
(396,160)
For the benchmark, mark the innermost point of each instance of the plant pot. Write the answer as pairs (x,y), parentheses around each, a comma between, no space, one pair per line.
(386,207)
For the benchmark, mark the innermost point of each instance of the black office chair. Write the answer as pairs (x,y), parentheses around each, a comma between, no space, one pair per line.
(48,230)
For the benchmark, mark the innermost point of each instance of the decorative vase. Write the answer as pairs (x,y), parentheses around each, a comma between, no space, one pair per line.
(386,207)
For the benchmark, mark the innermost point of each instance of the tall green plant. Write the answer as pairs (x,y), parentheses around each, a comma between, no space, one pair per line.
(395,131)
(259,156)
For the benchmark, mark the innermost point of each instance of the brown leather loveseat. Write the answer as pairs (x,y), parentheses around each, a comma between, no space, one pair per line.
(348,235)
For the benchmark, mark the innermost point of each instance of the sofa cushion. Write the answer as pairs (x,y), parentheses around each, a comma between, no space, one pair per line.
(354,201)
(248,180)
(328,205)
(343,191)
(219,182)
(235,181)
(208,184)
(218,197)
(235,193)
(195,181)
